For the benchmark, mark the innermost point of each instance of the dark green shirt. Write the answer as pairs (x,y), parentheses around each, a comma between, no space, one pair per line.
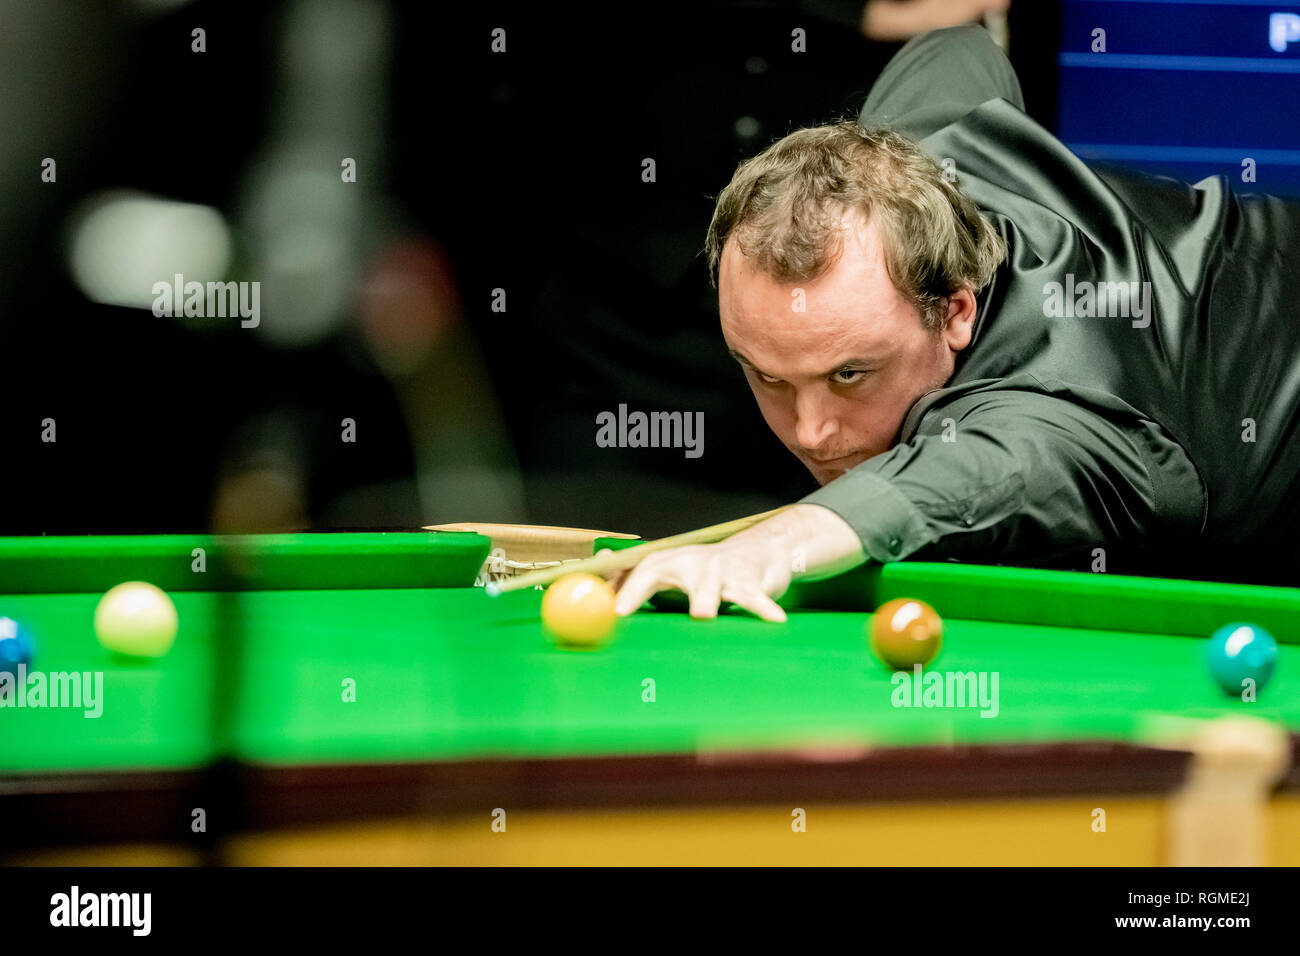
(1171,441)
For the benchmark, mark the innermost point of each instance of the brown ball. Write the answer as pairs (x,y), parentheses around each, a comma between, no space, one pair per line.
(905,632)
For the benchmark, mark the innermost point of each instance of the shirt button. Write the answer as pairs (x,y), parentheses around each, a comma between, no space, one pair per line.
(968,520)
(895,545)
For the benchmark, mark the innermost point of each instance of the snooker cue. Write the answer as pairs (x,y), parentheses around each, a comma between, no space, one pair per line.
(628,557)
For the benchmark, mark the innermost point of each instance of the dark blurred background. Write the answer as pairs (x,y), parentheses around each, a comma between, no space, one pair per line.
(437,337)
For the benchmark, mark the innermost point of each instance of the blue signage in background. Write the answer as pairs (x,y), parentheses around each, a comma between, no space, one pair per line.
(1184,88)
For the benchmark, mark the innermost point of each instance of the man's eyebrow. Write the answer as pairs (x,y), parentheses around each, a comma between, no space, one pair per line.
(864,364)
(741,359)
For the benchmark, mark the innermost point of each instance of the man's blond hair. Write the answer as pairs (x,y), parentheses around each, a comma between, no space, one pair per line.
(785,207)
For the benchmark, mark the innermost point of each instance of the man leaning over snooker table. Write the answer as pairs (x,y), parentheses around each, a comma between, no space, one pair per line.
(899,336)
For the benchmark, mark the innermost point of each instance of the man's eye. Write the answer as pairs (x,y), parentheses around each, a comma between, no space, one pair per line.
(767,379)
(848,376)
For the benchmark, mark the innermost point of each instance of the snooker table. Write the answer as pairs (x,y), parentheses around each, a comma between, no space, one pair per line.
(352,698)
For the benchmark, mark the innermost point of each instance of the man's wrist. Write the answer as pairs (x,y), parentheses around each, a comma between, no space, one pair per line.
(816,541)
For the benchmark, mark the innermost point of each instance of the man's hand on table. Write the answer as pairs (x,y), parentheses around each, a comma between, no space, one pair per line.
(748,569)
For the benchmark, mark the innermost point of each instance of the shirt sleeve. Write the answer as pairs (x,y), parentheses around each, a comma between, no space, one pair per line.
(1005,475)
(939,77)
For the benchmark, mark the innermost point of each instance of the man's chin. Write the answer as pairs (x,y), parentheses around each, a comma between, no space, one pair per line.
(824,476)
(826,473)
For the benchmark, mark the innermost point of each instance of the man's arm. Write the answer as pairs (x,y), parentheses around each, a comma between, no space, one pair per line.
(1019,474)
(939,77)
(990,475)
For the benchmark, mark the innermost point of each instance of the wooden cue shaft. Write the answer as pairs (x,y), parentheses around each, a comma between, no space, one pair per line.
(628,557)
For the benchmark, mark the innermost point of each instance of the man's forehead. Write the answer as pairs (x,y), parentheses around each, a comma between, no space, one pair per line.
(837,298)
(857,254)
(782,340)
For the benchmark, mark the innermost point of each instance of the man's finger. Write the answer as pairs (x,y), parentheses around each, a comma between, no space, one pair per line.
(756,602)
(707,593)
(647,579)
(776,579)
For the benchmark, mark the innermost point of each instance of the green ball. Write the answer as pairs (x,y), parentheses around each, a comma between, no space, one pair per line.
(1239,651)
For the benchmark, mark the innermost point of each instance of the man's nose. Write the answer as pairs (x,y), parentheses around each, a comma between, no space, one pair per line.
(813,422)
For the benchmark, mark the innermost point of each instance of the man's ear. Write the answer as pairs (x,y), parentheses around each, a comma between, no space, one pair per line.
(962,308)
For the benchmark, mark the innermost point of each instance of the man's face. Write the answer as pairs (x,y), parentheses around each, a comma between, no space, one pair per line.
(834,382)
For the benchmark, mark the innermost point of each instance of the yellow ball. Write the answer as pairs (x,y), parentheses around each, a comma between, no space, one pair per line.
(578,610)
(136,618)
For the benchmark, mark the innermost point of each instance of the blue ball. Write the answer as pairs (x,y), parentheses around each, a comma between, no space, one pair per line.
(15,646)
(1238,651)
